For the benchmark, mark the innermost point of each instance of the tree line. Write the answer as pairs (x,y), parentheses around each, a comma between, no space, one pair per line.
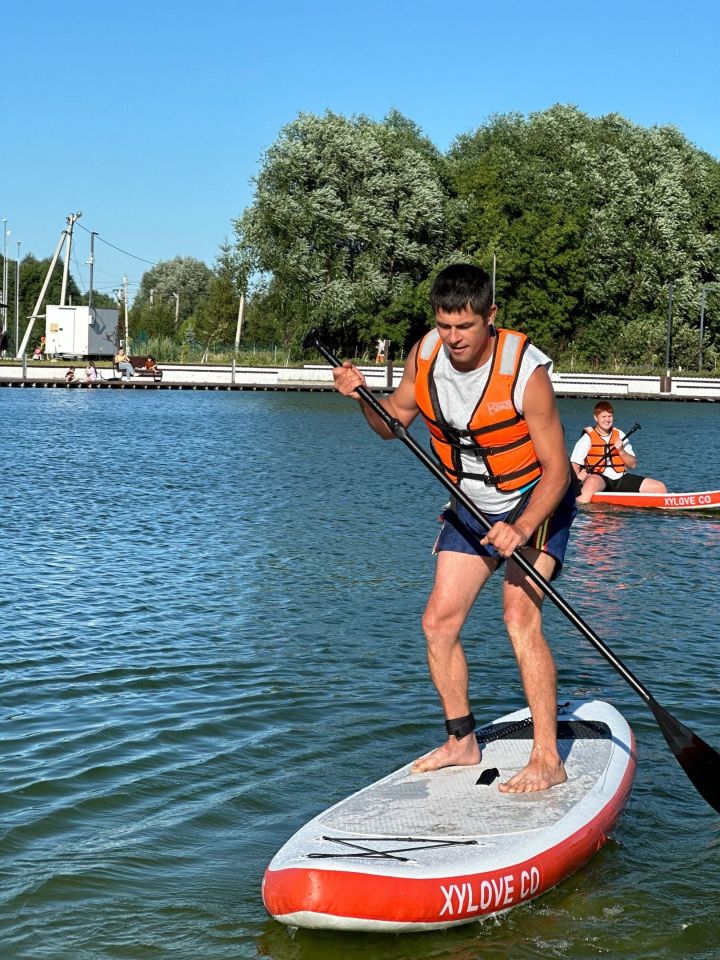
(587,224)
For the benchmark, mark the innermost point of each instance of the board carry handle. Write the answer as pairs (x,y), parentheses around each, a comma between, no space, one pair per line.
(698,759)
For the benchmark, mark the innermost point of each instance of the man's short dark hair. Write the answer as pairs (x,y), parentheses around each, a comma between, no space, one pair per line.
(462,285)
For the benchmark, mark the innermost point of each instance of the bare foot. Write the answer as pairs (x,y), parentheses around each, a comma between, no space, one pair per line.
(454,753)
(539,774)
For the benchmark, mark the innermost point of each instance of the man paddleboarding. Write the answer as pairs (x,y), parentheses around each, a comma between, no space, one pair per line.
(486,397)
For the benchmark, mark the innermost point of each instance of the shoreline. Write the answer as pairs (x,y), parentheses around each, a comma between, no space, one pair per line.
(317,377)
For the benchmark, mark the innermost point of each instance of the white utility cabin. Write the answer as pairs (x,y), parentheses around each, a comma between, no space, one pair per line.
(80,331)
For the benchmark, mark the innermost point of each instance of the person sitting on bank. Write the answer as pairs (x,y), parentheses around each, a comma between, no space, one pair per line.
(91,373)
(602,458)
(151,364)
(70,375)
(122,363)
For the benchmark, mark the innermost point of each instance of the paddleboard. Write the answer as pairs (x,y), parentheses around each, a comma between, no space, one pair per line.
(703,500)
(423,851)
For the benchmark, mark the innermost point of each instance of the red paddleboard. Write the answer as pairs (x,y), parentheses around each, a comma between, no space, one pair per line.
(704,500)
(423,851)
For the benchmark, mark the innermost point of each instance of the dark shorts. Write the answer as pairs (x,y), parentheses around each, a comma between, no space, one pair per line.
(461,532)
(627,483)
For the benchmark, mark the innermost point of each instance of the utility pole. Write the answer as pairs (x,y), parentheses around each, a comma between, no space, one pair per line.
(28,330)
(239,322)
(702,325)
(127,328)
(4,276)
(17,295)
(66,267)
(177,309)
(91,261)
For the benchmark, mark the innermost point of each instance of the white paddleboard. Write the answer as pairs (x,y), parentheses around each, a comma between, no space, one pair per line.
(422,851)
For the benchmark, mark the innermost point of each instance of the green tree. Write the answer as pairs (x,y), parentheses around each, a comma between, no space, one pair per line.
(217,313)
(523,186)
(33,273)
(100,300)
(645,231)
(590,219)
(180,283)
(347,216)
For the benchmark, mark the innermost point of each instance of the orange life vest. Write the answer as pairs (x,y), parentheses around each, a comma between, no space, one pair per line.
(602,453)
(497,430)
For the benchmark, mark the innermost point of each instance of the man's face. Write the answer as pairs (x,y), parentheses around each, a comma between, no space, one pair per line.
(466,336)
(604,420)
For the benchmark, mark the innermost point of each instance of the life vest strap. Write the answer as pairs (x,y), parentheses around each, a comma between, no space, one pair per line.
(507,477)
(456,475)
(453,435)
(605,461)
(484,477)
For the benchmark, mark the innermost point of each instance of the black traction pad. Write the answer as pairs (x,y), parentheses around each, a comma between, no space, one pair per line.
(523,730)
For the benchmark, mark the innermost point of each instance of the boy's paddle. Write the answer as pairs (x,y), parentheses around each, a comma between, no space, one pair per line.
(699,761)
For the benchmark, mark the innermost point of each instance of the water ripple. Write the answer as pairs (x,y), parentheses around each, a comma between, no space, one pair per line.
(210,631)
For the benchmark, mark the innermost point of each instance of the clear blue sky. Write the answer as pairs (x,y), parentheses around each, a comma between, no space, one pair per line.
(152,117)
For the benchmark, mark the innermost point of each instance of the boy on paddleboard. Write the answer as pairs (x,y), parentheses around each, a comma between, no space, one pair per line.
(603,456)
(486,397)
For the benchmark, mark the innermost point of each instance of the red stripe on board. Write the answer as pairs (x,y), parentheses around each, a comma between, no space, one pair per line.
(706,499)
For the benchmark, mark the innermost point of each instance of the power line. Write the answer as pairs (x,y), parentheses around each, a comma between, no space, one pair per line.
(79,270)
(107,243)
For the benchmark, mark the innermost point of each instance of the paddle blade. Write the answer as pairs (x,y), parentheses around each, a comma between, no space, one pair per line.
(311,340)
(699,761)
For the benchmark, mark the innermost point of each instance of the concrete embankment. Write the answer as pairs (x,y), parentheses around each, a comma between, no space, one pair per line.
(316,377)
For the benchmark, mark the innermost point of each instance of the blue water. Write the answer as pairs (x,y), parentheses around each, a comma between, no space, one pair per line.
(210,632)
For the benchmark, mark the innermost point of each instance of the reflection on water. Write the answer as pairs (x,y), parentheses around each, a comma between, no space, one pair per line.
(599,542)
(210,631)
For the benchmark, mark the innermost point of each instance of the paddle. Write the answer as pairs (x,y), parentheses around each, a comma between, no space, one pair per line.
(699,761)
(604,457)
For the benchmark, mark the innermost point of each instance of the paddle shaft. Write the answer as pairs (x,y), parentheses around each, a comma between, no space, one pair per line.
(401,432)
(604,457)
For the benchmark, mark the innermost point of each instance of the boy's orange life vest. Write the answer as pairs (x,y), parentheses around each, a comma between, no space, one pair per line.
(497,430)
(602,453)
